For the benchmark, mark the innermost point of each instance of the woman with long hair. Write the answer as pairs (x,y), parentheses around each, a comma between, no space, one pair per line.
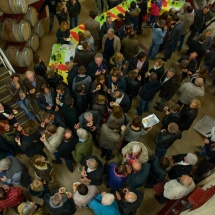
(9,133)
(63,33)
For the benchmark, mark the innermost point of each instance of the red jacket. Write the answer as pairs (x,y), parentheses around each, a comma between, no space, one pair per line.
(154,9)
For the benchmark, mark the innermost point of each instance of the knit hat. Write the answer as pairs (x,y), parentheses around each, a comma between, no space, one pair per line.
(191,159)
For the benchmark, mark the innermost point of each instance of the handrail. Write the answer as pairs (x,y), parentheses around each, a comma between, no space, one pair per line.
(6,62)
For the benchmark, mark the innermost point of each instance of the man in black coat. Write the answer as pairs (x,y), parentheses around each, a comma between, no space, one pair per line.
(147,93)
(62,93)
(72,73)
(165,138)
(81,99)
(199,22)
(131,201)
(191,67)
(173,38)
(121,99)
(60,202)
(69,113)
(197,46)
(53,118)
(66,147)
(169,86)
(182,165)
(92,170)
(52,4)
(85,56)
(97,66)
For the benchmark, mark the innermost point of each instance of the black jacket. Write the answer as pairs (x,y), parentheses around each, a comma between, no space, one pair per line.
(196,46)
(128,208)
(40,69)
(132,86)
(199,21)
(144,68)
(192,64)
(125,104)
(70,115)
(73,9)
(168,88)
(81,102)
(8,110)
(95,176)
(93,67)
(165,139)
(42,100)
(121,83)
(52,4)
(159,72)
(68,208)
(149,89)
(188,115)
(71,75)
(32,145)
(66,147)
(172,117)
(178,170)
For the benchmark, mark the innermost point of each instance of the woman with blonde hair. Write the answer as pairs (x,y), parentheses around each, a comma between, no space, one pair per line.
(209,39)
(158,69)
(118,60)
(52,77)
(63,33)
(42,168)
(61,13)
(38,188)
(119,116)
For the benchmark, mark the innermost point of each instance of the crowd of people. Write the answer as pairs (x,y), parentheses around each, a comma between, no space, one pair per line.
(107,73)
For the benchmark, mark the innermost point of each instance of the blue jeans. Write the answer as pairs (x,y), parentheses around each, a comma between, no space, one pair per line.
(152,20)
(181,42)
(143,106)
(73,22)
(57,157)
(24,105)
(153,50)
(159,152)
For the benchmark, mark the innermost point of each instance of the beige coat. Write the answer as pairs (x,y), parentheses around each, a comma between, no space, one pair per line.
(54,141)
(174,190)
(116,43)
(143,158)
(188,19)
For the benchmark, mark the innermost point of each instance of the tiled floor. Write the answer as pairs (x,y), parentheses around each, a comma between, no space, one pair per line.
(189,140)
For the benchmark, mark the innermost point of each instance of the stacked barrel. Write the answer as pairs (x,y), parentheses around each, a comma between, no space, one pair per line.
(21,30)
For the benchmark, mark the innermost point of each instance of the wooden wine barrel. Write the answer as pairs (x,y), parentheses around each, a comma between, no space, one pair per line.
(31,16)
(18,58)
(33,42)
(14,6)
(39,29)
(16,32)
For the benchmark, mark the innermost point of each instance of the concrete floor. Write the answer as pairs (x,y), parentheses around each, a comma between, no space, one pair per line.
(188,142)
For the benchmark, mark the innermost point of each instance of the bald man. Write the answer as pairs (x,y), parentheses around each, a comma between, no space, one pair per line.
(176,189)
(131,201)
(137,174)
